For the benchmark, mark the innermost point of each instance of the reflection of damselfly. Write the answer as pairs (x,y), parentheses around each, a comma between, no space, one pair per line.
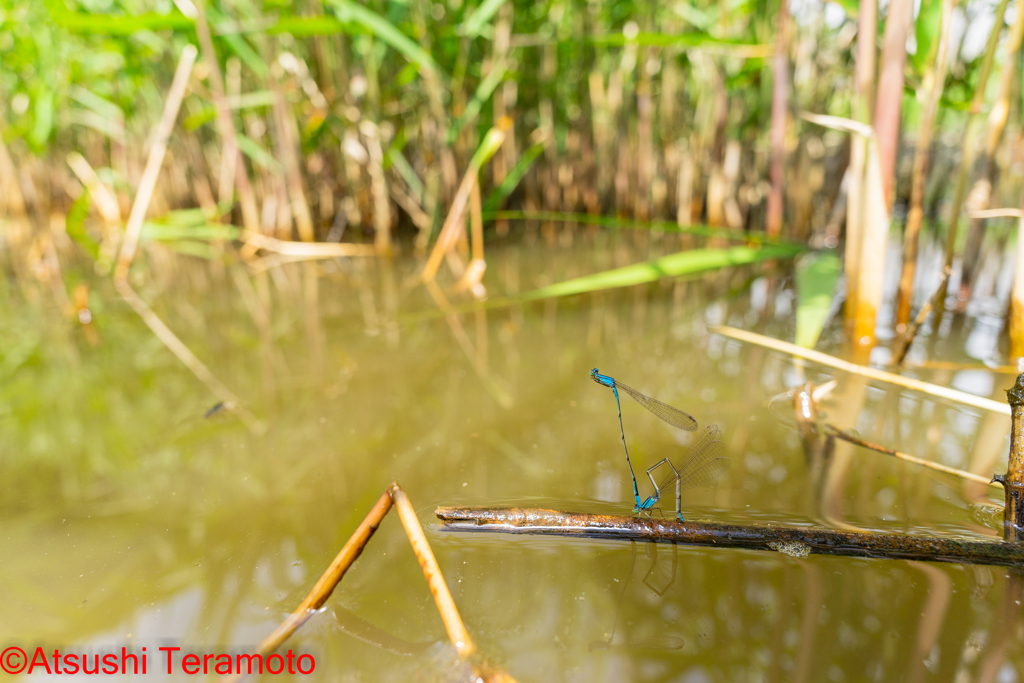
(658,642)
(701,464)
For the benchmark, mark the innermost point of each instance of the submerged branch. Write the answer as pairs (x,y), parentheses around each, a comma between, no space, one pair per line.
(798,541)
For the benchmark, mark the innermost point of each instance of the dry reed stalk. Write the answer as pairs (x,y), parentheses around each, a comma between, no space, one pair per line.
(886,120)
(287,143)
(416,213)
(445,604)
(862,370)
(863,97)
(777,135)
(306,250)
(325,586)
(476,223)
(934,83)
(106,200)
(967,147)
(846,436)
(452,227)
(982,191)
(153,163)
(996,213)
(867,229)
(378,187)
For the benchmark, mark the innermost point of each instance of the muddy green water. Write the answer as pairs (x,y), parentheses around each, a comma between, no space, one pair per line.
(129,519)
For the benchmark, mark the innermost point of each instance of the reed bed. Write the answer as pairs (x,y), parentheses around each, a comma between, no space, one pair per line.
(350,122)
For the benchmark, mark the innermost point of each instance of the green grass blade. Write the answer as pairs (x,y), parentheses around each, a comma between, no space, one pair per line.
(816,277)
(479,18)
(348,11)
(508,186)
(482,94)
(692,262)
(406,171)
(252,149)
(79,22)
(626,224)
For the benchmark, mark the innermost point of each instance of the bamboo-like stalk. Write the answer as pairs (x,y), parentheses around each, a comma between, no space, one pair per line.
(886,120)
(935,83)
(967,147)
(796,541)
(863,97)
(862,370)
(453,223)
(780,97)
(287,143)
(457,632)
(378,188)
(982,191)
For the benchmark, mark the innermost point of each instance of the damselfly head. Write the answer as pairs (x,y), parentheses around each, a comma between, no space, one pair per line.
(593,375)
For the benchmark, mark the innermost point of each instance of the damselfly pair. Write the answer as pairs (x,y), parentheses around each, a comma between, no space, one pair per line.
(701,464)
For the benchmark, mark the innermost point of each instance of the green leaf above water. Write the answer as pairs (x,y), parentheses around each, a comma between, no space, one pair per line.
(692,262)
(816,277)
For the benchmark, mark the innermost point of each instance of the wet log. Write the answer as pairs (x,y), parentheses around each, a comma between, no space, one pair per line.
(798,541)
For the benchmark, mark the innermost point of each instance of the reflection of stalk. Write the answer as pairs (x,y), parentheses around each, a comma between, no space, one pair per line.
(933,615)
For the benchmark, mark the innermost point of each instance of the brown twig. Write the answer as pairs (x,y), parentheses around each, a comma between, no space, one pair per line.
(797,541)
(846,436)
(907,338)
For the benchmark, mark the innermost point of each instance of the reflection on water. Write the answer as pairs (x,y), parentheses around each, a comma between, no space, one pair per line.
(133,512)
